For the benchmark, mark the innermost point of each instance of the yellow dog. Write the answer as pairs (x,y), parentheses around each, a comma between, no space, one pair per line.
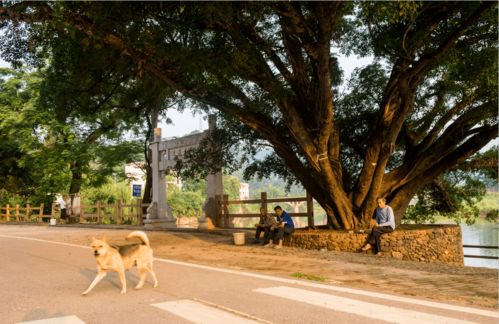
(121,258)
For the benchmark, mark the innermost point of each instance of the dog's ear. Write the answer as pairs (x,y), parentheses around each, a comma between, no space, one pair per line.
(104,238)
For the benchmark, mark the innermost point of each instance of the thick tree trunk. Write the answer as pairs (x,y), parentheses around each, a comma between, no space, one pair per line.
(151,124)
(76,178)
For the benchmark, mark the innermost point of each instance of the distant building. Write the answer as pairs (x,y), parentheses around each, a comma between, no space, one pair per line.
(136,175)
(135,172)
(244,191)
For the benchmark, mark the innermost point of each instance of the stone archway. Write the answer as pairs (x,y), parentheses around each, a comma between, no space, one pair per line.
(164,155)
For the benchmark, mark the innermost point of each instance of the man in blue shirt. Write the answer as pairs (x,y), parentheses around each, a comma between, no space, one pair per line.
(385,223)
(284,225)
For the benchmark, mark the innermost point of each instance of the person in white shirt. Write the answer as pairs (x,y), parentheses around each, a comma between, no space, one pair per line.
(62,205)
(385,223)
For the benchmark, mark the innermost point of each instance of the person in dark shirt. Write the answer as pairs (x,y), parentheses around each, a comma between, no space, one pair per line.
(264,225)
(284,226)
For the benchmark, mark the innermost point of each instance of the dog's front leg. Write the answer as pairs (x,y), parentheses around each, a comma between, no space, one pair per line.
(98,278)
(121,274)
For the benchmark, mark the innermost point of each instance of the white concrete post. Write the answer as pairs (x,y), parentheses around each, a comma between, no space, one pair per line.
(159,214)
(215,187)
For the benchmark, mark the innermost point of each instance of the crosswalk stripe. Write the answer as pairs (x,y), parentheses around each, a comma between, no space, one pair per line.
(202,314)
(57,320)
(302,283)
(376,311)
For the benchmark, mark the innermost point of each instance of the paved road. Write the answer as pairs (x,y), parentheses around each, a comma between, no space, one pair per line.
(41,282)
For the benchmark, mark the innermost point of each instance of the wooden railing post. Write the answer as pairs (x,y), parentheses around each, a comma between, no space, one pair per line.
(98,213)
(263,198)
(140,212)
(17,212)
(218,220)
(27,212)
(40,213)
(226,211)
(7,213)
(310,210)
(117,211)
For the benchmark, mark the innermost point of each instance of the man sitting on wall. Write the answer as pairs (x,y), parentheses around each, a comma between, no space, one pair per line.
(284,225)
(385,223)
(266,222)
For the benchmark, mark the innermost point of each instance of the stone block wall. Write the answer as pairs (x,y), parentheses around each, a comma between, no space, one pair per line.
(425,243)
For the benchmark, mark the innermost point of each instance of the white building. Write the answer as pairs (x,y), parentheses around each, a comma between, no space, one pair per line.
(135,172)
(244,191)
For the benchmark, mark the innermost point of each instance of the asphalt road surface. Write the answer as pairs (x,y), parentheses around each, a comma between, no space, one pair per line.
(41,282)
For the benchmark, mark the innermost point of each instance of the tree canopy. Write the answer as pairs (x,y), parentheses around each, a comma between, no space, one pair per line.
(427,104)
(41,146)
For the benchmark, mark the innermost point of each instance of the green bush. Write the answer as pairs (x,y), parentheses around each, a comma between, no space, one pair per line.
(186,204)
(109,193)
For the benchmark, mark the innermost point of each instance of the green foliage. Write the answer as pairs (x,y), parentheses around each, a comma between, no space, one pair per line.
(454,196)
(489,206)
(188,201)
(7,198)
(185,204)
(32,163)
(109,193)
(231,186)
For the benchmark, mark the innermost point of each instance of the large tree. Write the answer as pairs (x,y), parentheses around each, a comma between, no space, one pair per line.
(270,66)
(44,150)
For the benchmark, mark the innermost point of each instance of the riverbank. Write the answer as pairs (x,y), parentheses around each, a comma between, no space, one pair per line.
(454,284)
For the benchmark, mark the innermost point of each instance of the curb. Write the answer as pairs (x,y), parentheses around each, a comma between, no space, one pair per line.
(218,231)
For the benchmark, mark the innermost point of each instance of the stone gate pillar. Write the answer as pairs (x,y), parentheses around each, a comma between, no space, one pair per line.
(215,187)
(159,214)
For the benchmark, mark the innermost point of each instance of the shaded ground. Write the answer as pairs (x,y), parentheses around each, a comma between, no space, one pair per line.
(462,285)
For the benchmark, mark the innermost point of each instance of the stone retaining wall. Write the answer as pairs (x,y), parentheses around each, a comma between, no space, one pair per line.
(426,243)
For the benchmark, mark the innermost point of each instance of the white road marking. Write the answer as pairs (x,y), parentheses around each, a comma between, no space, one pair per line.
(414,301)
(45,241)
(231,310)
(341,304)
(57,320)
(421,302)
(202,314)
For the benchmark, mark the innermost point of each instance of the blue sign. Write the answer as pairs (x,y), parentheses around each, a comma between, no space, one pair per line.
(136,190)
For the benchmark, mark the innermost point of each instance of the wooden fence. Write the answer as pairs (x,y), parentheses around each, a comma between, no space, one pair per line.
(19,213)
(225,218)
(117,213)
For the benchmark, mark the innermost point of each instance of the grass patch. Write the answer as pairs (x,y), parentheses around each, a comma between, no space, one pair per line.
(300,275)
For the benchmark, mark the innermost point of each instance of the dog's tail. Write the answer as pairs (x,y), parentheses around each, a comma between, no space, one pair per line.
(140,235)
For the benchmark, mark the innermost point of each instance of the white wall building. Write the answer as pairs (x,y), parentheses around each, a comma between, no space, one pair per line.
(244,191)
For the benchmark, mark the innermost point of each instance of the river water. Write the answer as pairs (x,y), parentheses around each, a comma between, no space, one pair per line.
(481,233)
